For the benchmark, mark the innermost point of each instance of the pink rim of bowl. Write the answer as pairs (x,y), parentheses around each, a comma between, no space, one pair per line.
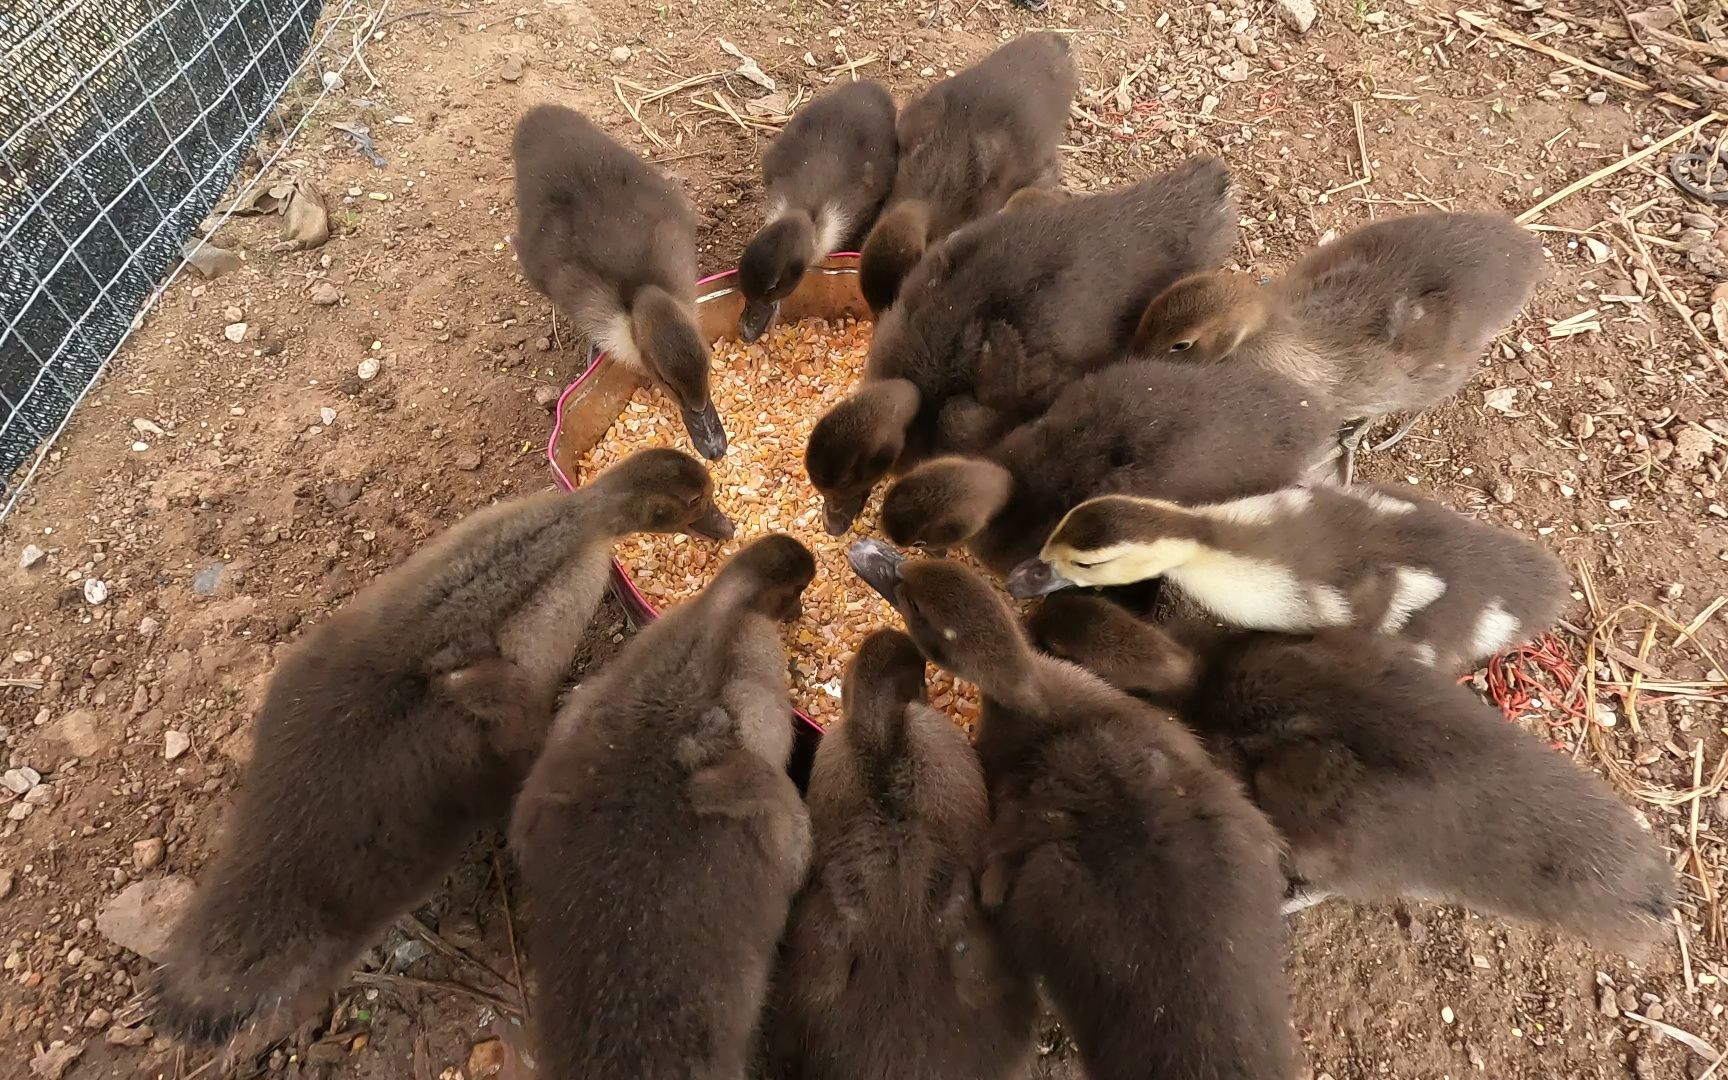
(639,608)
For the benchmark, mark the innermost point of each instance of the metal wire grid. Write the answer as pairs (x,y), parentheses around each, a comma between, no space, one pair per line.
(121,123)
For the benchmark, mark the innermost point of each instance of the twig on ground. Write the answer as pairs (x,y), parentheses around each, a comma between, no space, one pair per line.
(1684,1038)
(1624,163)
(1650,267)
(1488,26)
(403,982)
(510,930)
(408,924)
(635,112)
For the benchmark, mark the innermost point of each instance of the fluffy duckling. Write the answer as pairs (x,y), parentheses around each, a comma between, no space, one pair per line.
(1133,655)
(1388,779)
(1453,589)
(612,243)
(889,968)
(661,841)
(1006,311)
(1152,428)
(966,146)
(1389,318)
(1125,869)
(420,706)
(827,174)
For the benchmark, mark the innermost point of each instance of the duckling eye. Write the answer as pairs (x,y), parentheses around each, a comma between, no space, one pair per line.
(1182,346)
(1086,565)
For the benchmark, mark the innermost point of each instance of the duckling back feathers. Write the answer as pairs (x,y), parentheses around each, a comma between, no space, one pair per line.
(1398,312)
(1008,308)
(661,841)
(1388,779)
(597,224)
(1157,429)
(889,968)
(1454,589)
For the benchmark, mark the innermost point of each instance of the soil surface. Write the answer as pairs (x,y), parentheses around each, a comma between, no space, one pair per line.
(227,494)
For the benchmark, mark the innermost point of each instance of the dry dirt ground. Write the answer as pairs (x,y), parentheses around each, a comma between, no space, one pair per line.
(268,481)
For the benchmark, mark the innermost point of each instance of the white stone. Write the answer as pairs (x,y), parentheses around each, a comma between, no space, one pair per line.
(95,590)
(1299,15)
(175,743)
(30,556)
(368,369)
(235,332)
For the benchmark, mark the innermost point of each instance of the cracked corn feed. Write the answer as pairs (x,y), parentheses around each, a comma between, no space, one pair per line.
(769,395)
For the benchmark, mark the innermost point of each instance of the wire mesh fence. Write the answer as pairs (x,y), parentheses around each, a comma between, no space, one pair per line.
(122,122)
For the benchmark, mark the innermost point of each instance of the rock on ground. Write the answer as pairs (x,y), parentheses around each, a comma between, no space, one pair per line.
(144,913)
(1299,15)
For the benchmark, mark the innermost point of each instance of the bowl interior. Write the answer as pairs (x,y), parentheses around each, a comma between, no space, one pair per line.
(593,401)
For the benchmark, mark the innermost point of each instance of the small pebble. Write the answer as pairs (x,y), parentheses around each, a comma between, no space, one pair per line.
(147,854)
(327,415)
(368,369)
(95,590)
(175,743)
(30,556)
(325,294)
(1597,97)
(235,332)
(621,54)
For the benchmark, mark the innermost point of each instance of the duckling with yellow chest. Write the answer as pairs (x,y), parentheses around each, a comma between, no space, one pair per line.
(1455,590)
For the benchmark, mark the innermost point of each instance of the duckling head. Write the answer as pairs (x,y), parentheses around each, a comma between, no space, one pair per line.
(893,248)
(769,576)
(1124,651)
(772,266)
(856,444)
(1112,540)
(662,490)
(885,674)
(945,501)
(1201,317)
(673,350)
(953,615)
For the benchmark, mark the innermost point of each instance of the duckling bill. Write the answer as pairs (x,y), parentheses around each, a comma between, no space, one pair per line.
(827,174)
(420,706)
(1454,589)
(612,242)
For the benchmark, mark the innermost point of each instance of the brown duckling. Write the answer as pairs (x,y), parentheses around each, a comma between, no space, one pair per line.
(889,968)
(1388,318)
(661,841)
(1151,427)
(1005,312)
(1125,869)
(1133,655)
(1388,779)
(1453,589)
(420,707)
(827,174)
(612,243)
(966,145)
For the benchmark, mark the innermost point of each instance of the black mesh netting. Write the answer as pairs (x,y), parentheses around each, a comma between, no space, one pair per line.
(121,122)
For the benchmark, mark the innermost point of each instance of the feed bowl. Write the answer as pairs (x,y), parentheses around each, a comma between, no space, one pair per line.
(595,399)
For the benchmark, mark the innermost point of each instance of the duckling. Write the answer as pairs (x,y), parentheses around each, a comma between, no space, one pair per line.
(1034,196)
(1454,590)
(1388,318)
(1133,655)
(827,173)
(612,242)
(1007,310)
(661,841)
(967,145)
(420,707)
(1125,869)
(889,968)
(1388,779)
(1151,427)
